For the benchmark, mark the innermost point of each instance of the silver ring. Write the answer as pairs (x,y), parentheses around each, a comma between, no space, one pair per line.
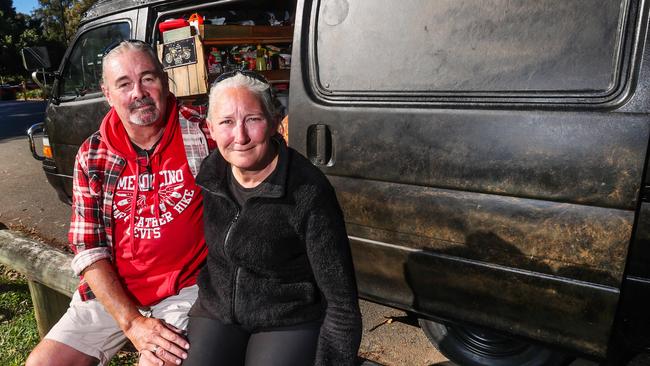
(155,349)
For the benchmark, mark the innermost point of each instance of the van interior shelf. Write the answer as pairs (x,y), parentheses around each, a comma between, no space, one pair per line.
(214,35)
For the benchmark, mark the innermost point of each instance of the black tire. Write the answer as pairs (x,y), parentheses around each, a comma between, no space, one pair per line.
(468,346)
(640,360)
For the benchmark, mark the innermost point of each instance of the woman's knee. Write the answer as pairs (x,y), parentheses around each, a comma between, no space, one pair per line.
(212,342)
(287,346)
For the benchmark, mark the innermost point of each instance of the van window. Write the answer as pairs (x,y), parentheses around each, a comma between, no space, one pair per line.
(83,69)
(468,47)
(233,35)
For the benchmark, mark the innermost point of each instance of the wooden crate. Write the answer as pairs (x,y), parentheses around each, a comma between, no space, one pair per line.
(188,80)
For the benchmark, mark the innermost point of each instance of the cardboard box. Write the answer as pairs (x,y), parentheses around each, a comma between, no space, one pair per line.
(190,78)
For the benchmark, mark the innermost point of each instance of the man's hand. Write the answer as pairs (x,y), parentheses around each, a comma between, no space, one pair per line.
(157,341)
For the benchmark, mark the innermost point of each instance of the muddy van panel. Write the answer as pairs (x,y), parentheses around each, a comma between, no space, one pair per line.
(523,153)
(487,164)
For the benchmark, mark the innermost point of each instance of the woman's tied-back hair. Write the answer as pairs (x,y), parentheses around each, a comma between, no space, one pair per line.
(258,87)
(131,45)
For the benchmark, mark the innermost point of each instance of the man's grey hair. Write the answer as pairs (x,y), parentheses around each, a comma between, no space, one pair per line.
(128,45)
(257,87)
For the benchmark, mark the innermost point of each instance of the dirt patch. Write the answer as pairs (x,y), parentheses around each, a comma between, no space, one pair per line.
(33,233)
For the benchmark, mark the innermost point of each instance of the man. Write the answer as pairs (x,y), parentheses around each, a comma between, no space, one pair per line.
(136,227)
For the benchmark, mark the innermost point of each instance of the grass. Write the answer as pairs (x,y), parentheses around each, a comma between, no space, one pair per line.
(18,332)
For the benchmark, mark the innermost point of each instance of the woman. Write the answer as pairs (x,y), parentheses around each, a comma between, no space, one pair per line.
(278,287)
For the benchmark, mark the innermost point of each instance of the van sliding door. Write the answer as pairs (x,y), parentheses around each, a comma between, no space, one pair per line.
(487,155)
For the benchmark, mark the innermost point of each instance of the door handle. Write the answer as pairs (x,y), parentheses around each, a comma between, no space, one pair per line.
(319,145)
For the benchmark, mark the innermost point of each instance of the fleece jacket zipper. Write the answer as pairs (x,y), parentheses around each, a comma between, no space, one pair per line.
(235,277)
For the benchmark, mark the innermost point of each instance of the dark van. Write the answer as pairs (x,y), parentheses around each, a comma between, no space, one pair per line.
(490,156)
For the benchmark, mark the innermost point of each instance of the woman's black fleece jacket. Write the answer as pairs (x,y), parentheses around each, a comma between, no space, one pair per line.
(282,259)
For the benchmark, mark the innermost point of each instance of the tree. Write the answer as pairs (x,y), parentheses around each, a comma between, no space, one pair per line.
(11,27)
(60,18)
(44,28)
(75,13)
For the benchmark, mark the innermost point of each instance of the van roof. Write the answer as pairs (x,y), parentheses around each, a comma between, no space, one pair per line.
(106,7)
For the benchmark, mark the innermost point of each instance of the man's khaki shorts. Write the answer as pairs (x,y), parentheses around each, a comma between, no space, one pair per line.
(89,328)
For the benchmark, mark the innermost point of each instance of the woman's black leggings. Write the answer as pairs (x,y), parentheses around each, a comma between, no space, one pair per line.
(215,343)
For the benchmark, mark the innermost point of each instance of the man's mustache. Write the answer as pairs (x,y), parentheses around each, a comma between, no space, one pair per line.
(142,102)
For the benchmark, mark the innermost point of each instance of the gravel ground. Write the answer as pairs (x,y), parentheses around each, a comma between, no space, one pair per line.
(391,338)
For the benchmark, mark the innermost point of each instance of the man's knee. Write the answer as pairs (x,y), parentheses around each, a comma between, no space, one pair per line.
(53,353)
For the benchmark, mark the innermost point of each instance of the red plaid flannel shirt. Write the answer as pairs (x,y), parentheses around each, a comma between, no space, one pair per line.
(96,173)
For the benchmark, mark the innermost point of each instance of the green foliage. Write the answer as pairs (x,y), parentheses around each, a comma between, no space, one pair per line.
(45,27)
(29,37)
(52,12)
(124,359)
(11,79)
(11,26)
(31,94)
(18,332)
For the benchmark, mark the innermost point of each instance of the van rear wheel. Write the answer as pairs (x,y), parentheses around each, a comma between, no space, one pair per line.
(469,346)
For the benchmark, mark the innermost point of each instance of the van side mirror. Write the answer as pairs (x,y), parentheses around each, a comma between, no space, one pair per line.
(35,58)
